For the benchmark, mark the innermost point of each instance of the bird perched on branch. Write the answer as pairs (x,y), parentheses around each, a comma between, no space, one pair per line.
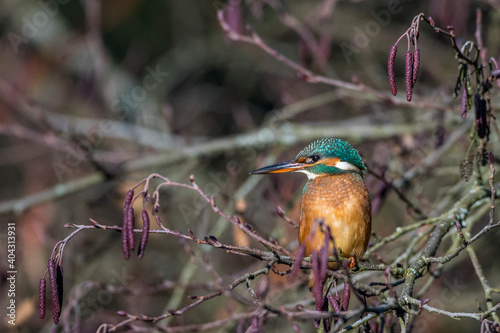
(335,193)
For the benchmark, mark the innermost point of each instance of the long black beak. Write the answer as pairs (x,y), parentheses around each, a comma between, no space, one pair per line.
(283,167)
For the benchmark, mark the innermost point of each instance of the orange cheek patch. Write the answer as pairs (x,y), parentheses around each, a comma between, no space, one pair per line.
(330,161)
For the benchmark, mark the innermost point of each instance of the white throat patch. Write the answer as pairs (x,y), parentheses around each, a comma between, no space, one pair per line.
(309,174)
(346,166)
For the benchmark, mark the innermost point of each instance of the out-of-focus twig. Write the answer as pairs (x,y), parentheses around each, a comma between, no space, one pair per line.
(58,191)
(311,77)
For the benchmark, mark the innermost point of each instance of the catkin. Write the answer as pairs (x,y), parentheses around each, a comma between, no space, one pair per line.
(130,228)
(56,308)
(416,66)
(125,244)
(463,103)
(390,69)
(145,233)
(41,297)
(481,125)
(408,74)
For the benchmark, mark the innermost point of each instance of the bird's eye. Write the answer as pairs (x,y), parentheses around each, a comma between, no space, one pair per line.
(312,159)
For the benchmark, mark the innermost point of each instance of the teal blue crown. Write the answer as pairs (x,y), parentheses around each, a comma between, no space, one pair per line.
(329,147)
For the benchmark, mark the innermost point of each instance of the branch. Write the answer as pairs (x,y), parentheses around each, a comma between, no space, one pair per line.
(17,206)
(455,315)
(311,77)
(458,212)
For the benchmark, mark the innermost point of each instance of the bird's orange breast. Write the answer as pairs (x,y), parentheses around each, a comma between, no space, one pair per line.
(343,202)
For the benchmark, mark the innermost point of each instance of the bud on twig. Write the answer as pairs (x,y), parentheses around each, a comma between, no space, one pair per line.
(42,289)
(93,223)
(121,313)
(158,221)
(280,211)
(211,240)
(416,66)
(145,233)
(408,74)
(390,69)
(249,227)
(424,302)
(458,225)
(193,237)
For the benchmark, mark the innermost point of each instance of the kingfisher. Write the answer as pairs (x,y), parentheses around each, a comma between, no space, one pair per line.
(335,193)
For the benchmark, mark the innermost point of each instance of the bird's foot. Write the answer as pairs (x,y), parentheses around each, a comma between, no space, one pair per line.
(352,262)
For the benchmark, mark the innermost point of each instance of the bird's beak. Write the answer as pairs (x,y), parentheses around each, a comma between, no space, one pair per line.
(283,167)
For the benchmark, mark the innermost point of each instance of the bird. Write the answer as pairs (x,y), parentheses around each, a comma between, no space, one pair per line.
(335,194)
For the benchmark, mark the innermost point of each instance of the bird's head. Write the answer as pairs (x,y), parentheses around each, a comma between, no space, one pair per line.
(321,158)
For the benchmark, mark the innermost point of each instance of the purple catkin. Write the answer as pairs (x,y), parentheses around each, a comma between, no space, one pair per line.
(323,255)
(334,302)
(59,281)
(317,288)
(125,244)
(126,224)
(416,66)
(298,261)
(41,297)
(128,198)
(130,228)
(390,69)
(408,74)
(56,308)
(326,321)
(463,103)
(481,125)
(145,233)
(347,295)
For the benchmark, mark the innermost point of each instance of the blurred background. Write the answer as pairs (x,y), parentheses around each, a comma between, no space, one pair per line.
(96,95)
